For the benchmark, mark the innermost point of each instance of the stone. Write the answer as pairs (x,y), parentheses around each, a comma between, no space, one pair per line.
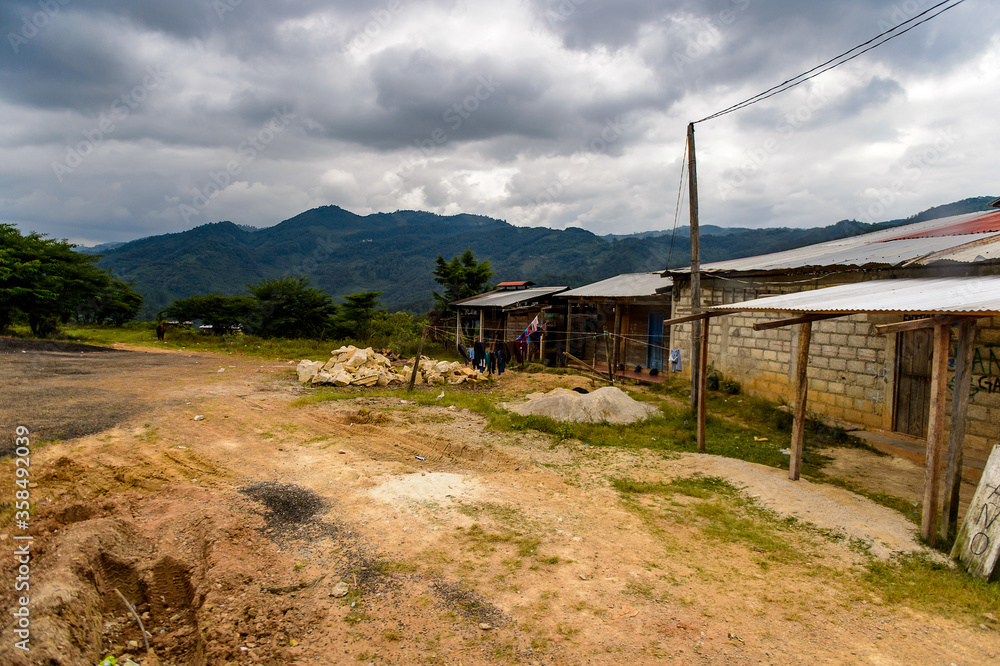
(340,590)
(358,358)
(366,380)
(342,379)
(308,369)
(322,377)
(443,368)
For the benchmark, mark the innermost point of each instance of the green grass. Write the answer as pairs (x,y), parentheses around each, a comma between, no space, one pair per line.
(917,581)
(720,511)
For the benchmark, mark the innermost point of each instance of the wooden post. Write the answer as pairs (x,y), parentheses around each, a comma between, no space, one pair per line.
(935,433)
(618,334)
(702,379)
(416,361)
(607,353)
(801,393)
(959,410)
(458,327)
(695,265)
(482,323)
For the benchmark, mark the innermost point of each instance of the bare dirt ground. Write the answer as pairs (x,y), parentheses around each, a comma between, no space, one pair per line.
(233,534)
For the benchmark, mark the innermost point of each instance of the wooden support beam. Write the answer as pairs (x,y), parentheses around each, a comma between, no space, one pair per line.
(935,433)
(458,328)
(617,349)
(781,323)
(416,361)
(959,410)
(930,322)
(569,325)
(482,323)
(607,355)
(801,393)
(692,317)
(702,379)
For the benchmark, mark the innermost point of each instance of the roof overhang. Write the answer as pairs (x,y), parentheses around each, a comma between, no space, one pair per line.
(978,296)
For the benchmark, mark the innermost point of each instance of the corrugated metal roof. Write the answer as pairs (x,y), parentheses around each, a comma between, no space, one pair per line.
(522,283)
(626,285)
(883,248)
(952,295)
(978,225)
(502,298)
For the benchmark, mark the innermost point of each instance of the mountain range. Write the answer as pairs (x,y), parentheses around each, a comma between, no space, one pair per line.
(394,253)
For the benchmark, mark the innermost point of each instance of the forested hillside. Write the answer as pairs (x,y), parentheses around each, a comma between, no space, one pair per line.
(394,253)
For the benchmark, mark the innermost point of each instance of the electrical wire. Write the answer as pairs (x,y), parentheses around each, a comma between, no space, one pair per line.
(677,208)
(836,60)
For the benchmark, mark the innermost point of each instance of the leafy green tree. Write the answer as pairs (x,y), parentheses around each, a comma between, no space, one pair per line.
(290,308)
(116,303)
(461,277)
(220,312)
(44,281)
(356,314)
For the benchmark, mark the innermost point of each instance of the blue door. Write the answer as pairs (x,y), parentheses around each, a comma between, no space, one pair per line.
(654,353)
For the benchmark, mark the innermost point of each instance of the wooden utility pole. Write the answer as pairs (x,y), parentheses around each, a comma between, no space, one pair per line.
(695,269)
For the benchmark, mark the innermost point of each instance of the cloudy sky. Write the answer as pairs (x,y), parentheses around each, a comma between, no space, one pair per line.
(125,118)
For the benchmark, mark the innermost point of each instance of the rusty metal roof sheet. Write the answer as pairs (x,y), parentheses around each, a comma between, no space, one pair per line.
(503,298)
(977,225)
(626,285)
(917,243)
(951,295)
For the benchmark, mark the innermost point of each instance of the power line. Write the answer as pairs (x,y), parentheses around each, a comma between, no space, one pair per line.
(677,209)
(836,60)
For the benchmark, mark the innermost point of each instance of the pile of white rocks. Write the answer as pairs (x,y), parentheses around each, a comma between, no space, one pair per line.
(350,366)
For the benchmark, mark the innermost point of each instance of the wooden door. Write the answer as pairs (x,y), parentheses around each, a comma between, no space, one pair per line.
(654,354)
(914,351)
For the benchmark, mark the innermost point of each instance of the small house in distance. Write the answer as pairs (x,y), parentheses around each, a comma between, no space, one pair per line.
(630,308)
(504,313)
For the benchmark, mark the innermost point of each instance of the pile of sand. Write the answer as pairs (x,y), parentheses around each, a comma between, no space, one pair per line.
(608,404)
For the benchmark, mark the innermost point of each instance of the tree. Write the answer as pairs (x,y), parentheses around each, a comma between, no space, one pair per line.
(116,303)
(462,277)
(290,308)
(45,281)
(222,313)
(356,314)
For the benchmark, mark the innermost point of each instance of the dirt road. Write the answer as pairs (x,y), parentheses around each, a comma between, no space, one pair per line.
(374,530)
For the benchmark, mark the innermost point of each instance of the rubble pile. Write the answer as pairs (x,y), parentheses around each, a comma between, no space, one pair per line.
(609,404)
(350,366)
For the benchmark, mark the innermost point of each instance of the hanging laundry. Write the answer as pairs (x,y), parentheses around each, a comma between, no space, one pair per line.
(675,360)
(464,352)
